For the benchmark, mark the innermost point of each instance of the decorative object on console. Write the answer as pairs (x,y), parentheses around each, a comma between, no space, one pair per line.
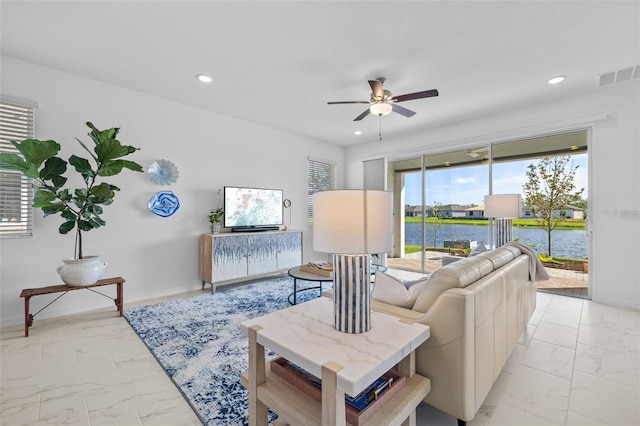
(287,205)
(80,208)
(163,172)
(502,208)
(352,224)
(215,217)
(163,203)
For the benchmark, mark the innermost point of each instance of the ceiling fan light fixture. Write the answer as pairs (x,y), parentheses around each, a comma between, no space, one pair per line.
(381,108)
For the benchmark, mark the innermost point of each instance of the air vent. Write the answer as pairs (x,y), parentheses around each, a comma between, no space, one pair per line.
(619,76)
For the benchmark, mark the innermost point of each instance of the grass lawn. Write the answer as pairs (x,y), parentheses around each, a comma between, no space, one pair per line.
(521,223)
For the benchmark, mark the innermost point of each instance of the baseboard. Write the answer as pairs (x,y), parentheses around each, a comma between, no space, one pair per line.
(617,302)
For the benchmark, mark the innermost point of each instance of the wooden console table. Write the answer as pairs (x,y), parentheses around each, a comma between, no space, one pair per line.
(346,363)
(28,293)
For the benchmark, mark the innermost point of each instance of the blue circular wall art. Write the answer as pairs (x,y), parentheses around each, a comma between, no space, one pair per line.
(164,203)
(163,172)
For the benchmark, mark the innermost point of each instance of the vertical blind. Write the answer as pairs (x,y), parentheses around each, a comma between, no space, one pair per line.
(322,177)
(16,192)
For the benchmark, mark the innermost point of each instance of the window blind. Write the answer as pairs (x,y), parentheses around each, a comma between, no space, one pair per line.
(16,192)
(321,177)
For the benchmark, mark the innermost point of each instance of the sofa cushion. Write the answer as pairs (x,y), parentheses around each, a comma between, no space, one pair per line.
(501,256)
(454,275)
(390,290)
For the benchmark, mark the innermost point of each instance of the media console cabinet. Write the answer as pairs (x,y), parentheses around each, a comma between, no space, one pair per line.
(232,257)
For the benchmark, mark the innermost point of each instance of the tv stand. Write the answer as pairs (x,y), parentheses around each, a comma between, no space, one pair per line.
(255,228)
(233,257)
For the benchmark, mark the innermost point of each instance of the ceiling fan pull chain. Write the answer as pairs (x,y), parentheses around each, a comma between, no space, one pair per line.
(380,129)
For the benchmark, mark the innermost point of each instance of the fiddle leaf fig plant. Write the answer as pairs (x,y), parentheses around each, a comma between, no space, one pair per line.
(80,208)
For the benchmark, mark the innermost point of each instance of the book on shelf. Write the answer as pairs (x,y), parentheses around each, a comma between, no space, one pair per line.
(319,268)
(358,408)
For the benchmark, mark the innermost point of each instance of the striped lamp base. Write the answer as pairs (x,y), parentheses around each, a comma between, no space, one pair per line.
(503,231)
(352,293)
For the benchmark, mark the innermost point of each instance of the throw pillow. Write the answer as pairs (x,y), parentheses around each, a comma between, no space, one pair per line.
(390,290)
(480,248)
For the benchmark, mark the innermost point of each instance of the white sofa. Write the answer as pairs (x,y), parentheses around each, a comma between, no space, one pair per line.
(477,309)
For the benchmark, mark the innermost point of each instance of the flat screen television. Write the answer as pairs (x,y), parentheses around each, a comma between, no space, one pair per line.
(252,209)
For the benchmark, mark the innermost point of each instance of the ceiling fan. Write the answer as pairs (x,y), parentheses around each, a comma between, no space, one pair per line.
(382,103)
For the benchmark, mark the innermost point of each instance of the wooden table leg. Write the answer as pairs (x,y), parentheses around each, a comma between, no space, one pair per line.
(257,376)
(26,316)
(333,409)
(407,368)
(120,299)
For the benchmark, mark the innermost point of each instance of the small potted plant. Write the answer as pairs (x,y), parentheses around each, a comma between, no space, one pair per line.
(80,208)
(215,216)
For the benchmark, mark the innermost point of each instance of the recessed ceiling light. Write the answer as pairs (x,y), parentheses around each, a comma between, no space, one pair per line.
(357,132)
(204,78)
(557,79)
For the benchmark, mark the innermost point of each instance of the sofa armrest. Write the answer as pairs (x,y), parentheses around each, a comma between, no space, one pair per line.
(397,311)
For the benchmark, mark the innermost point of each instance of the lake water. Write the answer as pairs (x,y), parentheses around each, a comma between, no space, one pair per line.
(565,243)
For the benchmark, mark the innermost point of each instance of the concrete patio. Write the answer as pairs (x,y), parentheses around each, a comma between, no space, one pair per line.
(562,281)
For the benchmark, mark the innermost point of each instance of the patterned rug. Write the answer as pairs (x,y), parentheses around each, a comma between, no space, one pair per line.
(199,344)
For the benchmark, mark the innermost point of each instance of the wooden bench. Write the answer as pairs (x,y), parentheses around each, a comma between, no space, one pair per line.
(28,293)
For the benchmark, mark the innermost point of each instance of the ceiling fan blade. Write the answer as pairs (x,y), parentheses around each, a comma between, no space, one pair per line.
(361,116)
(348,102)
(417,95)
(376,89)
(403,111)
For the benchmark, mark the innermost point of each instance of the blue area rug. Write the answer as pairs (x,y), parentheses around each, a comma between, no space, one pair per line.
(199,343)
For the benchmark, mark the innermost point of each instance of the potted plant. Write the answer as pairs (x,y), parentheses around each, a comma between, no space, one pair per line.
(215,216)
(79,208)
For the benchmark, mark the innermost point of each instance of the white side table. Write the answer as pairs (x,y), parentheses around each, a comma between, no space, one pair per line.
(347,363)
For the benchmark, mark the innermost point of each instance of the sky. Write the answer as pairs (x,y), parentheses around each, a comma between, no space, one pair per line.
(469,185)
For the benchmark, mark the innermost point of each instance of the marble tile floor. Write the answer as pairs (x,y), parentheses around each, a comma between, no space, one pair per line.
(578,363)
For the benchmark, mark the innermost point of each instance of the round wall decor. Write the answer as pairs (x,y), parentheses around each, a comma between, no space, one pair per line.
(164,203)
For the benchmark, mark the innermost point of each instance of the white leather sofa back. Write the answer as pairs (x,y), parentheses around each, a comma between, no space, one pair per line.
(477,309)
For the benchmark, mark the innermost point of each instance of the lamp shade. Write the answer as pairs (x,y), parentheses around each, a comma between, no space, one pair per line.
(502,205)
(352,221)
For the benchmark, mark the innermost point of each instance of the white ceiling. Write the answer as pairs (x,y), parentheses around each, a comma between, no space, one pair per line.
(279,63)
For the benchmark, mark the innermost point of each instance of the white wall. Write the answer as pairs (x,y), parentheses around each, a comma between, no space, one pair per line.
(157,256)
(614,196)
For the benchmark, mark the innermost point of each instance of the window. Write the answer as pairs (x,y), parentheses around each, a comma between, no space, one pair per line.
(16,192)
(322,177)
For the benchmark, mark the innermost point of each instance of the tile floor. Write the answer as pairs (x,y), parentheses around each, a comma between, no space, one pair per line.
(577,364)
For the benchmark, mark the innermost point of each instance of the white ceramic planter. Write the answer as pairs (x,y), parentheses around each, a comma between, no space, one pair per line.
(81,272)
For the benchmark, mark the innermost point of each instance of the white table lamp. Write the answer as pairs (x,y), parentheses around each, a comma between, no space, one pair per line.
(352,224)
(503,208)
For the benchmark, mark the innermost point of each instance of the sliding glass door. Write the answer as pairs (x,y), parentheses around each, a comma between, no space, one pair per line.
(439,199)
(442,194)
